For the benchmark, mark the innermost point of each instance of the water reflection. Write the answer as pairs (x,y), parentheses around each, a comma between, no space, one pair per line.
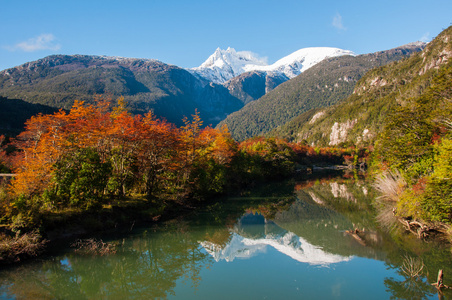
(294,234)
(409,288)
(144,267)
(253,234)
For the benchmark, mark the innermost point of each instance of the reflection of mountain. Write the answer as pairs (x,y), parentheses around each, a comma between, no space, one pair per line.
(253,233)
(312,218)
(311,230)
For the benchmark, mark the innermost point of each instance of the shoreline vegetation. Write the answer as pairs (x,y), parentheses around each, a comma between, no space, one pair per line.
(97,167)
(412,160)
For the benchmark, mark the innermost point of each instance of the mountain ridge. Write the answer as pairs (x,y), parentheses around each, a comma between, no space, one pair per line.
(224,65)
(169,91)
(324,84)
(362,116)
(146,84)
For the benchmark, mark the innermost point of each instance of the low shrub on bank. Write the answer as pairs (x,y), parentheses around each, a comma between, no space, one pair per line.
(20,246)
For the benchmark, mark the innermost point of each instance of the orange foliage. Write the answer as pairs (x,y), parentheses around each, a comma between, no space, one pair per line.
(217,144)
(155,147)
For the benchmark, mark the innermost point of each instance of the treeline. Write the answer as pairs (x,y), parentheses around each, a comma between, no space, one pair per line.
(94,154)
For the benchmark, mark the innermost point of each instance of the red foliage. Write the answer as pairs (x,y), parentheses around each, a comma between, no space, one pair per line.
(419,187)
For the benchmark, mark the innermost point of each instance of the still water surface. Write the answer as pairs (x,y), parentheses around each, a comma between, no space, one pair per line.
(282,241)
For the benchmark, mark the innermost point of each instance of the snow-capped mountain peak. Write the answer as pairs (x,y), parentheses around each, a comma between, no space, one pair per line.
(223,65)
(299,61)
(232,58)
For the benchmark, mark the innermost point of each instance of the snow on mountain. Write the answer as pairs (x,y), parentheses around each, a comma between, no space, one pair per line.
(226,64)
(223,65)
(301,60)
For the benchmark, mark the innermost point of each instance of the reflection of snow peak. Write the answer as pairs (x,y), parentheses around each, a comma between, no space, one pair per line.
(236,248)
(288,244)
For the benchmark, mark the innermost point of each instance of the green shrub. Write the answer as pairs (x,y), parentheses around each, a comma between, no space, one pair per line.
(437,200)
(81,178)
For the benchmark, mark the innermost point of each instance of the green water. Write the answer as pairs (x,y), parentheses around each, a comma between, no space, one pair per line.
(282,241)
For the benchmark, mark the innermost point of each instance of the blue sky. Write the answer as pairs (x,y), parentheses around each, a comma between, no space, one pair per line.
(185,33)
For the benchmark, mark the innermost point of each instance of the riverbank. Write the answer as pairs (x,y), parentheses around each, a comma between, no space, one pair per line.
(68,226)
(120,215)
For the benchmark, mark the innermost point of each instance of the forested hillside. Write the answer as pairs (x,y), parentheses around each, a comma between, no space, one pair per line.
(324,84)
(14,113)
(362,116)
(404,111)
(171,92)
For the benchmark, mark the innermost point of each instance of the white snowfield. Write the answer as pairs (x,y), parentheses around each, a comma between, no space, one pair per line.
(224,65)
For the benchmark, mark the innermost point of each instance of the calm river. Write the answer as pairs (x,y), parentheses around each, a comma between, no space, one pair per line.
(282,241)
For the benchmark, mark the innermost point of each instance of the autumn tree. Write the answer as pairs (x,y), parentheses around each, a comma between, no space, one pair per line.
(124,138)
(158,149)
(96,152)
(4,160)
(214,150)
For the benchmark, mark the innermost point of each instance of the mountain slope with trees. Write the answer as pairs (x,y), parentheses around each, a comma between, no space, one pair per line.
(171,92)
(403,110)
(146,84)
(413,153)
(360,118)
(14,113)
(324,84)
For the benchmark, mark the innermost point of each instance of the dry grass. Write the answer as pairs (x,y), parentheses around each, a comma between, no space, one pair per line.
(15,248)
(94,247)
(390,185)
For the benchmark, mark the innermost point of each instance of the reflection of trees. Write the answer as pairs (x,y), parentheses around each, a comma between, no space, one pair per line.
(354,200)
(410,288)
(321,226)
(220,237)
(143,267)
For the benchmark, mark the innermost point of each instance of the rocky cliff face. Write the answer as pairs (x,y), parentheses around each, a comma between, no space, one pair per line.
(253,85)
